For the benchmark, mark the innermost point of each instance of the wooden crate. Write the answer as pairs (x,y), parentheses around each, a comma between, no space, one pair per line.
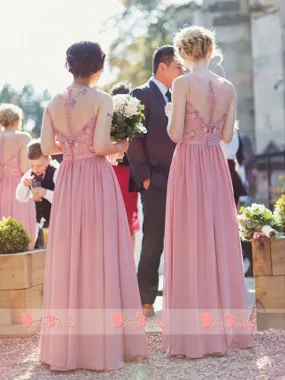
(21,292)
(269,277)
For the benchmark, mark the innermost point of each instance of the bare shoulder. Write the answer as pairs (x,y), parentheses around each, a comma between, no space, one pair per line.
(223,81)
(224,84)
(101,96)
(24,137)
(54,99)
(180,82)
(181,85)
(230,88)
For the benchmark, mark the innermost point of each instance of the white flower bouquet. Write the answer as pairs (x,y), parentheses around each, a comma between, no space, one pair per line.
(127,118)
(257,219)
(168,110)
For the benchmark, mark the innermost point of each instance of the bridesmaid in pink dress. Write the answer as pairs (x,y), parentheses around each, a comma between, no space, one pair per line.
(90,282)
(205,308)
(13,164)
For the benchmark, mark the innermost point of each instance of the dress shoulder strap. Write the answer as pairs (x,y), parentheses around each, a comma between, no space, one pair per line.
(213,101)
(68,114)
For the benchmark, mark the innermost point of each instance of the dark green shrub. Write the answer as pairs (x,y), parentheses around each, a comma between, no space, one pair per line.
(13,237)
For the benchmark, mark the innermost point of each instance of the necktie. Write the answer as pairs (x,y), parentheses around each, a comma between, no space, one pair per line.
(168,95)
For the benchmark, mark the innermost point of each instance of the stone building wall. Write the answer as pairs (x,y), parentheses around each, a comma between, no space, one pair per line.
(232,22)
(268,77)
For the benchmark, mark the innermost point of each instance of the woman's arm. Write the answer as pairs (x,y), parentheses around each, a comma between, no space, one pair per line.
(102,136)
(176,122)
(48,137)
(228,129)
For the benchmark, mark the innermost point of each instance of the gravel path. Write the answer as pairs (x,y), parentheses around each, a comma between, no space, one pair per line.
(19,361)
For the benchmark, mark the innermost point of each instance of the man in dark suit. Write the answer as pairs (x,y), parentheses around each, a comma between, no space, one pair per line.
(150,157)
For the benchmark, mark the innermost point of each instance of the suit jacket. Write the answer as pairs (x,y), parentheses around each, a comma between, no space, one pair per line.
(150,154)
(240,153)
(248,152)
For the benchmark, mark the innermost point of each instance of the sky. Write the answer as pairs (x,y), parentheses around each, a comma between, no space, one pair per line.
(36,33)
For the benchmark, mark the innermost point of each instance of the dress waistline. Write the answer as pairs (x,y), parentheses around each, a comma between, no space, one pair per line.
(201,142)
(82,157)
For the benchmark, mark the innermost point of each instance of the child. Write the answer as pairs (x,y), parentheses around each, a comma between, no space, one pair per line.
(38,182)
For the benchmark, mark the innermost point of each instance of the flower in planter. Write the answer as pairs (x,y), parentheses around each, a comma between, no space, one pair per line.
(279,212)
(280,188)
(13,237)
(254,218)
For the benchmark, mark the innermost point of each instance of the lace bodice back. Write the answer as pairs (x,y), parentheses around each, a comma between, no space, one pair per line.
(9,155)
(206,108)
(72,114)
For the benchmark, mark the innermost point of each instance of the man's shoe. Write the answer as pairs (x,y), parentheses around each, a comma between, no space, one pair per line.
(249,272)
(148,310)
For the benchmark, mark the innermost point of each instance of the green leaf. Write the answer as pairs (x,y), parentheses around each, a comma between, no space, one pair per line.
(13,237)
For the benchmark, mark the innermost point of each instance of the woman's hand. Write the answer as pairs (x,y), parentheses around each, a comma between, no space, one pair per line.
(123,146)
(28,182)
(119,155)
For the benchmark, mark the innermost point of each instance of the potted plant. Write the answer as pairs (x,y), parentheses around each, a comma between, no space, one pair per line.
(280,212)
(265,229)
(21,279)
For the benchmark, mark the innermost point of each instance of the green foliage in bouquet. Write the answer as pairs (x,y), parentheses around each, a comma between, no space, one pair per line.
(13,237)
(279,212)
(253,218)
(127,118)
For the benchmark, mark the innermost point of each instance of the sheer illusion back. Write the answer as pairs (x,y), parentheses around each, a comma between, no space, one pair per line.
(207,107)
(10,147)
(73,116)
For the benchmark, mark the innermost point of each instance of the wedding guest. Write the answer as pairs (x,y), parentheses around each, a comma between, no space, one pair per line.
(240,157)
(234,152)
(249,157)
(122,170)
(231,151)
(150,156)
(245,156)
(58,158)
(13,164)
(42,173)
(90,277)
(204,280)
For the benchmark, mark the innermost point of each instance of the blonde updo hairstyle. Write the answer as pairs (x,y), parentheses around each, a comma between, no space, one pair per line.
(9,115)
(194,43)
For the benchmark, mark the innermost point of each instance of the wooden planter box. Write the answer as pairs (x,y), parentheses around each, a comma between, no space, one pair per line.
(269,277)
(21,291)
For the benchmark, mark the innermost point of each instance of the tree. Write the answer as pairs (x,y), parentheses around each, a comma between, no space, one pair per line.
(32,104)
(143,26)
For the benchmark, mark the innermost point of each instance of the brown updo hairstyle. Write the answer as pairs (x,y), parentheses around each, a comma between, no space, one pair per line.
(84,59)
(9,114)
(196,42)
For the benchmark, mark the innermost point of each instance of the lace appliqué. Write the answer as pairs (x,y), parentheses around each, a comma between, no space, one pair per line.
(82,143)
(73,100)
(10,167)
(195,126)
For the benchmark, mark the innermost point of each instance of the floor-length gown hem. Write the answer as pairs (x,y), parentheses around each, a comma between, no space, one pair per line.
(203,268)
(90,270)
